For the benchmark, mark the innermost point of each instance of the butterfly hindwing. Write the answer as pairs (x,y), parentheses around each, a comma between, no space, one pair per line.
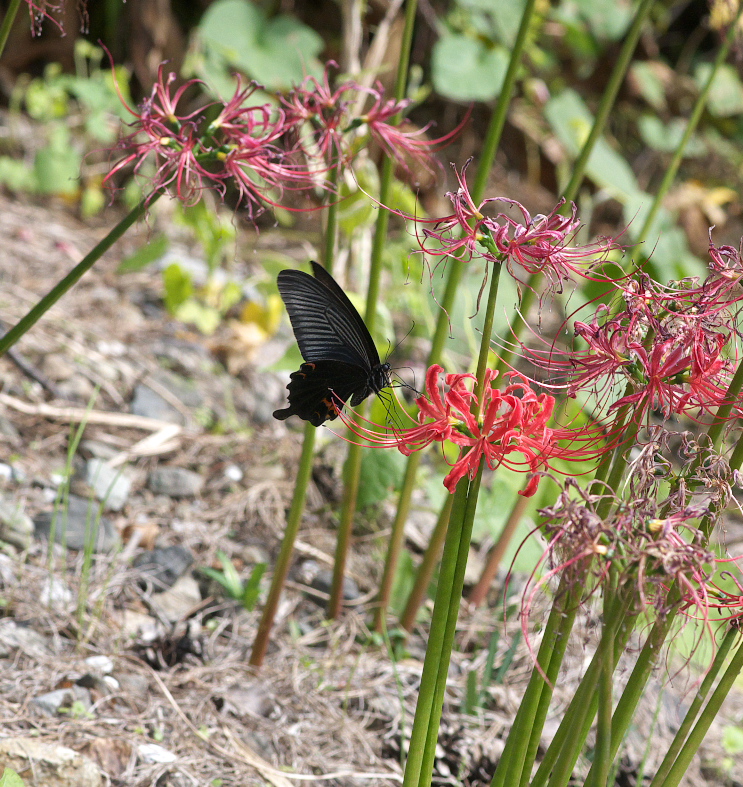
(319,388)
(341,360)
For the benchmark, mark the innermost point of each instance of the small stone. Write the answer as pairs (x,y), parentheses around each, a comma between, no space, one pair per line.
(176,602)
(324,580)
(175,482)
(135,685)
(163,566)
(78,523)
(38,762)
(151,405)
(233,473)
(254,700)
(16,527)
(110,484)
(99,449)
(6,472)
(102,664)
(16,637)
(152,753)
(61,700)
(139,625)
(56,595)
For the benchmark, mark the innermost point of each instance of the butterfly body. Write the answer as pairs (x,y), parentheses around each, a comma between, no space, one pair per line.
(341,360)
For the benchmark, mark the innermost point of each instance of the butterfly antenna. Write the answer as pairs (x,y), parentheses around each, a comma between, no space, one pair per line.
(410,330)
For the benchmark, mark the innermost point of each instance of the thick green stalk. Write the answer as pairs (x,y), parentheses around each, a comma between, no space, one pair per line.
(7,23)
(283,562)
(559,622)
(456,268)
(72,278)
(463,535)
(691,126)
(602,759)
(434,649)
(304,472)
(691,714)
(706,718)
(352,473)
(428,564)
(563,752)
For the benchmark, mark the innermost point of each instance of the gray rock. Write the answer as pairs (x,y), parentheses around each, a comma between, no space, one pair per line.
(49,764)
(16,637)
(101,664)
(52,702)
(8,429)
(16,527)
(175,603)
(175,482)
(56,594)
(152,753)
(164,566)
(110,484)
(79,522)
(323,582)
(151,405)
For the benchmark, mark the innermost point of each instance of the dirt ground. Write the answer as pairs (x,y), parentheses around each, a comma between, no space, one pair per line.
(328,706)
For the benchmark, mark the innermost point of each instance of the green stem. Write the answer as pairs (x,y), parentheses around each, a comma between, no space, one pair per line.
(430,560)
(46,303)
(602,759)
(691,126)
(429,677)
(352,475)
(563,752)
(7,23)
(456,268)
(512,763)
(695,739)
(461,537)
(283,562)
(608,97)
(304,471)
(680,738)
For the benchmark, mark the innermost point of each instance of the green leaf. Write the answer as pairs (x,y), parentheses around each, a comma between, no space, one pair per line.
(732,739)
(178,286)
(16,175)
(466,69)
(646,75)
(11,779)
(252,587)
(277,52)
(571,121)
(381,472)
(607,19)
(144,255)
(57,166)
(205,318)
(726,93)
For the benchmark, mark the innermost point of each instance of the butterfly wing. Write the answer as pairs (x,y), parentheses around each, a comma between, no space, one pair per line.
(319,388)
(325,322)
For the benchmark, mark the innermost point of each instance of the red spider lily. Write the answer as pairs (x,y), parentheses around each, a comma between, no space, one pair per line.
(671,360)
(729,605)
(243,145)
(536,244)
(498,428)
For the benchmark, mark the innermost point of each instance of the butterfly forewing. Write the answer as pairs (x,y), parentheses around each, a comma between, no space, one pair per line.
(341,360)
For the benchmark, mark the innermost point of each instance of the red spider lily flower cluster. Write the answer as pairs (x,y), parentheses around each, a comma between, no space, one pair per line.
(507,427)
(541,244)
(669,349)
(261,149)
(242,147)
(337,130)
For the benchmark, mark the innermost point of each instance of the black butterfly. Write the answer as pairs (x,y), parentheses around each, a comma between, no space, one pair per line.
(341,361)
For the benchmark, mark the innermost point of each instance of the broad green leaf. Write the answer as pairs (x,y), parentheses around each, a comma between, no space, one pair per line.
(732,739)
(466,69)
(607,19)
(381,471)
(11,779)
(144,255)
(726,94)
(16,175)
(647,79)
(571,121)
(205,318)
(277,52)
(57,166)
